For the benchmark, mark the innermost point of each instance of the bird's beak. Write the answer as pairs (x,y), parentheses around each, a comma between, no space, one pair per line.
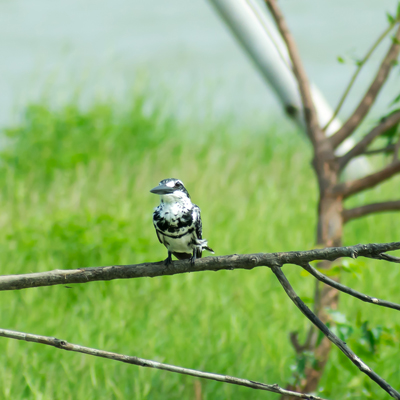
(162,189)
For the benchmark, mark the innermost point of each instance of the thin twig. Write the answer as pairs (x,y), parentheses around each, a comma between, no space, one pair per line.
(396,150)
(373,208)
(369,98)
(330,335)
(388,257)
(360,147)
(267,30)
(294,339)
(356,73)
(345,289)
(314,131)
(347,189)
(235,261)
(387,149)
(141,362)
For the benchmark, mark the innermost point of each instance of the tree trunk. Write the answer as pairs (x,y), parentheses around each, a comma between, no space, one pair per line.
(329,234)
(330,230)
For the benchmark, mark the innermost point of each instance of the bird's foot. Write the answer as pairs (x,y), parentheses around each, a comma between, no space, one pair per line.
(168,260)
(193,258)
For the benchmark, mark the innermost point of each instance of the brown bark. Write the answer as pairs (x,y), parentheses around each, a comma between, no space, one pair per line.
(370,96)
(362,145)
(330,230)
(332,193)
(218,263)
(340,344)
(314,131)
(373,208)
(347,189)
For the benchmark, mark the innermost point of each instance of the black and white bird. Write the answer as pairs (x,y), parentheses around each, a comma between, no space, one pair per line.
(178,222)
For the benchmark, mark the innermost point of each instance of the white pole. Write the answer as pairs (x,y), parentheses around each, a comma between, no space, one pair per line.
(257,34)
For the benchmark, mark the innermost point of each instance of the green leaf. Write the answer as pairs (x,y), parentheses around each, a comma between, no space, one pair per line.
(395,40)
(345,331)
(398,11)
(391,19)
(341,60)
(368,336)
(396,100)
(392,132)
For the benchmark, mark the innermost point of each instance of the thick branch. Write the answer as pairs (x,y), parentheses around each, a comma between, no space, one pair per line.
(361,146)
(236,261)
(330,335)
(314,131)
(359,212)
(141,362)
(366,103)
(363,297)
(347,189)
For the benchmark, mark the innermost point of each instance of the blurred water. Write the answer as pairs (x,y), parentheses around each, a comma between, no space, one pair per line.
(84,48)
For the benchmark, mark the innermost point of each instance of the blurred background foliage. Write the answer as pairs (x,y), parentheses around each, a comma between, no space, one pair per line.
(75,193)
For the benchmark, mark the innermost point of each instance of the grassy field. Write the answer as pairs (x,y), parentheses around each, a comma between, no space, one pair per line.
(75,193)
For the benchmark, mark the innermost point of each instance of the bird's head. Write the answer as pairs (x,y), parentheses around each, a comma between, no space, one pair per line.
(171,190)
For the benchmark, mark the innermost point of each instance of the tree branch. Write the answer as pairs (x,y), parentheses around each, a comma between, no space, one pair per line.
(361,146)
(235,261)
(366,103)
(345,289)
(141,362)
(314,131)
(359,212)
(330,335)
(396,150)
(387,149)
(356,73)
(347,189)
(390,258)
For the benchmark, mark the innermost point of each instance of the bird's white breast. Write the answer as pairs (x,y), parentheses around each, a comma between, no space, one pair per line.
(180,245)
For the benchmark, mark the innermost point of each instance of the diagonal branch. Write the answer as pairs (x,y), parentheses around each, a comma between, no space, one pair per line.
(361,146)
(390,258)
(345,289)
(396,150)
(330,335)
(141,362)
(359,212)
(357,72)
(347,189)
(368,100)
(387,149)
(314,131)
(235,261)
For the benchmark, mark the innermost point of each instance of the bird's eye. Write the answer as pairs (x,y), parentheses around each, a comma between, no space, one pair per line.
(178,184)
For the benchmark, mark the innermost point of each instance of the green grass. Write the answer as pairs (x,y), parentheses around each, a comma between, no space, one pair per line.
(75,193)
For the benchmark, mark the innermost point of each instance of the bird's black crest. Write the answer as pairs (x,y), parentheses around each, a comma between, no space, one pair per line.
(178,185)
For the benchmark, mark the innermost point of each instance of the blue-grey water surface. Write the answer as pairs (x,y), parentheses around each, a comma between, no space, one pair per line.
(86,49)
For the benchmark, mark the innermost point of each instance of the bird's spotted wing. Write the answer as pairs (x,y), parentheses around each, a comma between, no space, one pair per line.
(156,216)
(197,222)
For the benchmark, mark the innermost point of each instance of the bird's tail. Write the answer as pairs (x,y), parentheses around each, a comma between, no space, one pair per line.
(204,245)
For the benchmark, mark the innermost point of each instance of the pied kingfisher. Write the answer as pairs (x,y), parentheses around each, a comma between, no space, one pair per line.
(178,222)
